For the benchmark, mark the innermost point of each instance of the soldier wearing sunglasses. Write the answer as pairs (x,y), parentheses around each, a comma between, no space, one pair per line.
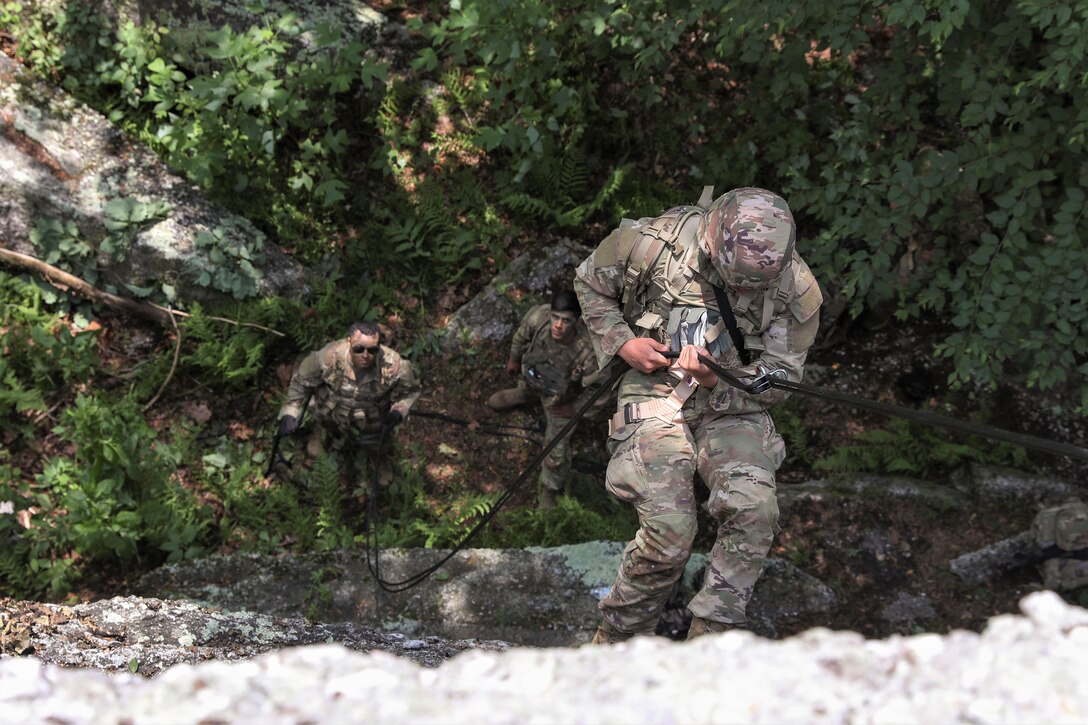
(355,386)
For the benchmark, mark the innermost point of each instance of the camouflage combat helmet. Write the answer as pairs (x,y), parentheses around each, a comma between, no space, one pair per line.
(750,235)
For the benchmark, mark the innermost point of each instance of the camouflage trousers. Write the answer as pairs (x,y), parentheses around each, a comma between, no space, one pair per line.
(652,467)
(355,451)
(555,468)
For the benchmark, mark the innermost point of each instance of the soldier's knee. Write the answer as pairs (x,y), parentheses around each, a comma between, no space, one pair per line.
(747,496)
(669,538)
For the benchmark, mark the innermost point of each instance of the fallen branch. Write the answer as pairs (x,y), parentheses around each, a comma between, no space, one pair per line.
(148,310)
(64,280)
(173,365)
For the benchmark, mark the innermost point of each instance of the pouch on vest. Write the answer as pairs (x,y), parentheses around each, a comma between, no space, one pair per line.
(543,377)
(1064,529)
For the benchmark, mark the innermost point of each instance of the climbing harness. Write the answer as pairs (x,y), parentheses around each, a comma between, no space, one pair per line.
(631,412)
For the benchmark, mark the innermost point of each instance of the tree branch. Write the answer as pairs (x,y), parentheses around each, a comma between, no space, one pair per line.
(148,310)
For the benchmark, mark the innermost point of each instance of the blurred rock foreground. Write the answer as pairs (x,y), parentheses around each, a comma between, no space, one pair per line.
(1019,669)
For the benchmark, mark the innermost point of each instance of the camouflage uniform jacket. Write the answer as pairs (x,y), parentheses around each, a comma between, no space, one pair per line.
(344,398)
(779,324)
(533,336)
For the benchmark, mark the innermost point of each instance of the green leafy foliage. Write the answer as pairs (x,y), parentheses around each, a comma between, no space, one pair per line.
(119,497)
(915,450)
(932,150)
(230,115)
(42,356)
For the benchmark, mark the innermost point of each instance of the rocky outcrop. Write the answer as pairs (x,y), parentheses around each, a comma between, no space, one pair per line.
(494,313)
(543,597)
(72,178)
(857,552)
(1020,669)
(150,635)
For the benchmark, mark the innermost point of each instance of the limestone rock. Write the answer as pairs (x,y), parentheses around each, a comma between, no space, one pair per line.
(492,314)
(149,635)
(1020,669)
(64,163)
(541,597)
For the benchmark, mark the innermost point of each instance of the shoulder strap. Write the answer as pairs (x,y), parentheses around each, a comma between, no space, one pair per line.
(726,311)
(662,232)
(705,198)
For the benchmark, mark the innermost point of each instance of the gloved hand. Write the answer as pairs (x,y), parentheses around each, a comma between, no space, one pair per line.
(392,418)
(288,425)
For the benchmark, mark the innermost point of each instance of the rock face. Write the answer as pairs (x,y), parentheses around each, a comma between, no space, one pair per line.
(1020,669)
(492,314)
(150,635)
(544,597)
(841,562)
(69,174)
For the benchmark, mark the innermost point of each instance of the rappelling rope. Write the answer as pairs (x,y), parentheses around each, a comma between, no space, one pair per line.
(373,549)
(758,385)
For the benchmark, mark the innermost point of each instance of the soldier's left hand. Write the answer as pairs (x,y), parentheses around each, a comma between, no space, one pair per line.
(689,362)
(392,418)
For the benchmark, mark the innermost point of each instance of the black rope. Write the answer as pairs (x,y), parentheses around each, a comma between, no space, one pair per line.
(371,518)
(919,416)
(759,385)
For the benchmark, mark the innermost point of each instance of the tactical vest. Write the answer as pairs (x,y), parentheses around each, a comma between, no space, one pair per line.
(1063,532)
(664,259)
(344,400)
(541,374)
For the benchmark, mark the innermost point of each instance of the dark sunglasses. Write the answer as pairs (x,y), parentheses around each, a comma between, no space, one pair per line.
(360,349)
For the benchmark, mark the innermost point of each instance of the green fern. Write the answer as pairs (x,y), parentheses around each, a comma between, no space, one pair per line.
(324,484)
(916,450)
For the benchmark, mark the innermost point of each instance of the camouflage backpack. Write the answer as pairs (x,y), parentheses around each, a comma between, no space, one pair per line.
(663,257)
(1062,532)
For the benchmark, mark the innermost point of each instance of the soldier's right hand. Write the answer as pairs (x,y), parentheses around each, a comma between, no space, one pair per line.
(512,367)
(644,354)
(288,425)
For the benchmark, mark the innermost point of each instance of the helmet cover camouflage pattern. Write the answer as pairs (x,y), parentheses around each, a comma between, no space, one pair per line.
(750,235)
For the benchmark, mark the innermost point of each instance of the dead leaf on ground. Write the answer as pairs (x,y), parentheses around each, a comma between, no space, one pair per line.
(198,411)
(241,431)
(25,516)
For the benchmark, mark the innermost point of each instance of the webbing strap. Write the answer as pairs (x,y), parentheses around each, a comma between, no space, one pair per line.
(706,197)
(730,320)
(664,409)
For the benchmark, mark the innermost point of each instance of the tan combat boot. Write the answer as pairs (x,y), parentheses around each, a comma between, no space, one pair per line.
(509,399)
(607,634)
(700,626)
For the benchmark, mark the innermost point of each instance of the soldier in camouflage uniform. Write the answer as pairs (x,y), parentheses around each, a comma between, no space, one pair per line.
(552,354)
(658,285)
(356,386)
